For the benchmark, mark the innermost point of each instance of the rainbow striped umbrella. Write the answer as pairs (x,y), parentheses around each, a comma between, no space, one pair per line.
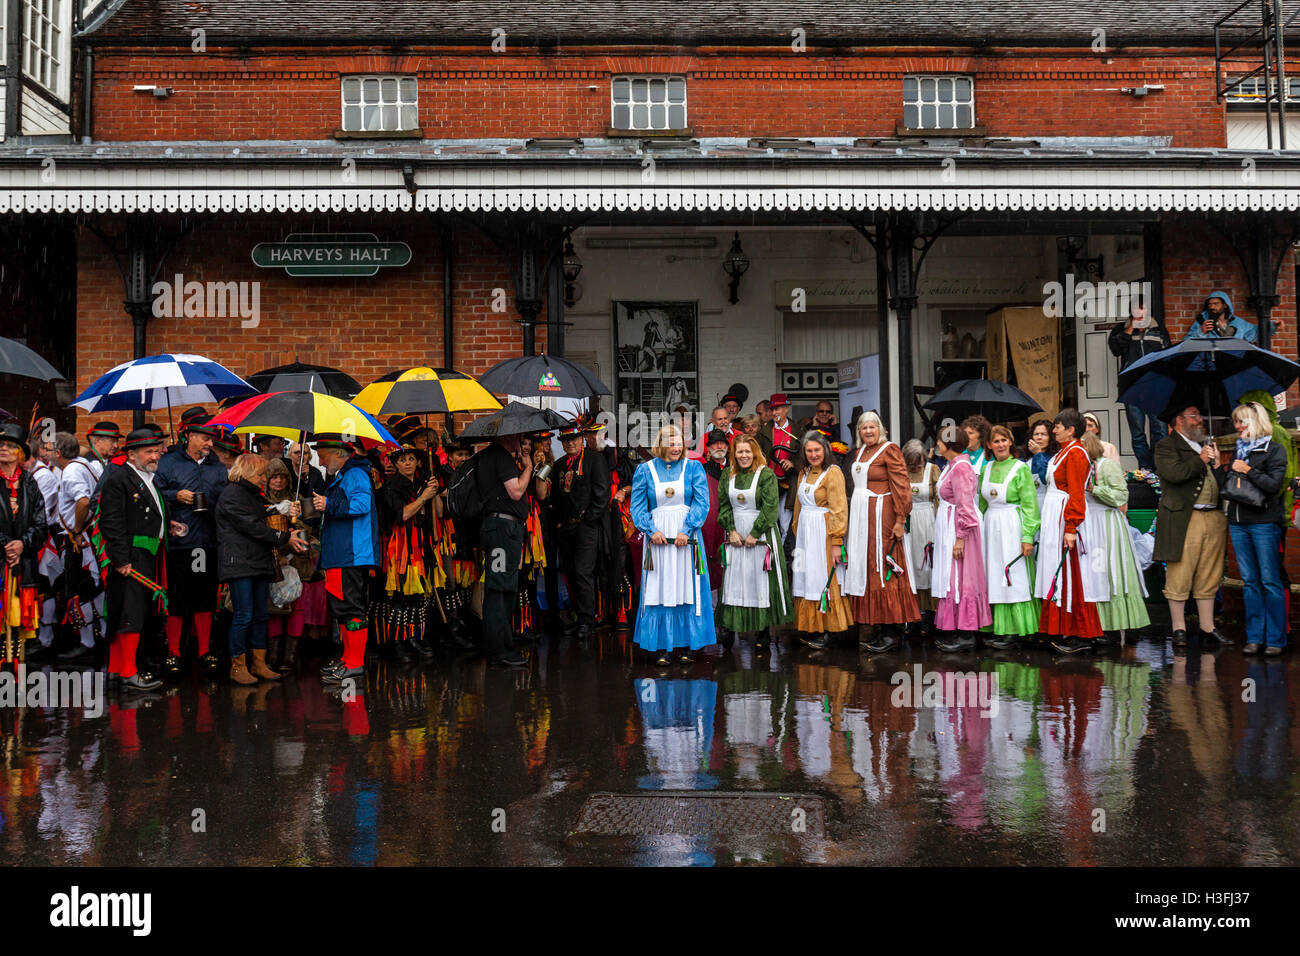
(425,391)
(293,415)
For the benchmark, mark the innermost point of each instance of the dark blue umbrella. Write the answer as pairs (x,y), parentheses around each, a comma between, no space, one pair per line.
(1209,373)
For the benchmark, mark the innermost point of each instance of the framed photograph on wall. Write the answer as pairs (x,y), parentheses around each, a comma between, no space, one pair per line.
(657,350)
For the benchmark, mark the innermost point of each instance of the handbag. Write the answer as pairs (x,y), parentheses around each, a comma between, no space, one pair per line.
(1241,491)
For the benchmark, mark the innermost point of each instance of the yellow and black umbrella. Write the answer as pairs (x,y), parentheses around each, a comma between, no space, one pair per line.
(425,391)
(294,415)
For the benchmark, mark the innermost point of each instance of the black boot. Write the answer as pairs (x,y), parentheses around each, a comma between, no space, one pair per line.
(817,642)
(953,642)
(887,640)
(402,651)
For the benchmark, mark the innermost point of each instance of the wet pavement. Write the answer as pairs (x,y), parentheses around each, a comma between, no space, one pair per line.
(1134,756)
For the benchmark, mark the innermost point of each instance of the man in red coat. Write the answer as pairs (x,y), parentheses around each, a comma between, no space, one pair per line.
(785,451)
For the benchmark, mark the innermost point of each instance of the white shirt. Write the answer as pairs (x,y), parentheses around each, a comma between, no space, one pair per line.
(147,478)
(78,482)
(47,479)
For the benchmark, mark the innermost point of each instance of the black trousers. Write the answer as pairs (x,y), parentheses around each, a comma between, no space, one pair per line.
(131,604)
(191,581)
(502,542)
(578,559)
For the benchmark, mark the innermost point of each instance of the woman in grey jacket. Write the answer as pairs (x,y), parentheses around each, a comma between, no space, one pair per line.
(1258,470)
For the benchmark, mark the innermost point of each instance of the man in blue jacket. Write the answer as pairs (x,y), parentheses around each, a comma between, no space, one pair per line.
(1217,320)
(190,478)
(349,549)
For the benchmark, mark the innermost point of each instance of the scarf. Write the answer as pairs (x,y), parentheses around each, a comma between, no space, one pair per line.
(1246,446)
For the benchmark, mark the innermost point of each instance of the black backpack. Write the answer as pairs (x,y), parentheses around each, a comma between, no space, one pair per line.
(463,497)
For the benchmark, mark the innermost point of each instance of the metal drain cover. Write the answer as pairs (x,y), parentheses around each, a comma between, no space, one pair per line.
(703,814)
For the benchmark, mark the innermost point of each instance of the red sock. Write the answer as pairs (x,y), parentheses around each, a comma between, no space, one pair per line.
(356,722)
(128,736)
(354,647)
(203,630)
(115,656)
(174,626)
(129,641)
(203,719)
(295,624)
(274,625)
(175,724)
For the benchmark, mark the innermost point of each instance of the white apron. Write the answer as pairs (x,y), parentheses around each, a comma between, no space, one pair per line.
(1109,561)
(864,500)
(745,582)
(810,570)
(1052,541)
(945,537)
(1002,542)
(673,581)
(919,533)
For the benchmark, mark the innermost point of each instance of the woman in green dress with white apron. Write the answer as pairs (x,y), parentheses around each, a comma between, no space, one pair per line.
(756,583)
(1009,502)
(1107,494)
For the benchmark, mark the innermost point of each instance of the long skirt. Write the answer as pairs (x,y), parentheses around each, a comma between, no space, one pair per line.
(1081,620)
(1126,610)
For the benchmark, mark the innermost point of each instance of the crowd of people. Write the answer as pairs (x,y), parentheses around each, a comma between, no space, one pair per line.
(756,528)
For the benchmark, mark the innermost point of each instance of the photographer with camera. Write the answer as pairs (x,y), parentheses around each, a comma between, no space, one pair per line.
(1138,337)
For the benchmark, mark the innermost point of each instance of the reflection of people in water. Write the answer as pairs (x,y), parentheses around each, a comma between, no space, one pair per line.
(678,394)
(677,726)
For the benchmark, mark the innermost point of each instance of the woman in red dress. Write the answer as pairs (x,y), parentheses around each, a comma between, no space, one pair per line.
(1066,582)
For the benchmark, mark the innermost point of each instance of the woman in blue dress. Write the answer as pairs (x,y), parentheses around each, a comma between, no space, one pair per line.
(670,501)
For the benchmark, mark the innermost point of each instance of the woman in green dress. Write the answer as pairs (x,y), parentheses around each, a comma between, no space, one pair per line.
(1107,495)
(1009,503)
(756,583)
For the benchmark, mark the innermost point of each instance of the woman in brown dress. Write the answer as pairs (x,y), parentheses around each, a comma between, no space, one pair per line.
(821,519)
(876,574)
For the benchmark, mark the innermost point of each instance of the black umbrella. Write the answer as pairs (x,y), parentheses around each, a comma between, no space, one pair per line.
(18,359)
(996,401)
(542,376)
(515,419)
(301,377)
(1211,374)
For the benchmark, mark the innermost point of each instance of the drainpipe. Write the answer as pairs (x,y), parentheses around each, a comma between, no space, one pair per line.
(88,97)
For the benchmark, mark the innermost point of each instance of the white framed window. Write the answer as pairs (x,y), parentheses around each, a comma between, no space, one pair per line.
(375,104)
(648,102)
(938,102)
(47,44)
(1252,90)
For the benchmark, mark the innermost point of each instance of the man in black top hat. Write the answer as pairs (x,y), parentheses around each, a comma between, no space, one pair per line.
(190,478)
(580,498)
(23,530)
(133,522)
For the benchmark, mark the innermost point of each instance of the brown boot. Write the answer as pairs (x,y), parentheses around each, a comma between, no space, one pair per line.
(239,673)
(259,668)
(290,662)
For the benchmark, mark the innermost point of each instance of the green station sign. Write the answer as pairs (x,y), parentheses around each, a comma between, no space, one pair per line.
(331,254)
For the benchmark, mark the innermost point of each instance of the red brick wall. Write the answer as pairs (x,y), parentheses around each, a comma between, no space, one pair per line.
(364,326)
(1199,259)
(464,94)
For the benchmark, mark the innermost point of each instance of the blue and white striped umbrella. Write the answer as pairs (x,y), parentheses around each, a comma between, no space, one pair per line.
(162,381)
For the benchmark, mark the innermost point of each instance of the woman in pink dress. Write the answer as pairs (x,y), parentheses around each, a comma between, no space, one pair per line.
(958,582)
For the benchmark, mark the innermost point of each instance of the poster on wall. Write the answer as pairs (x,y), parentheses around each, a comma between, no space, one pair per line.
(656,344)
(1035,354)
